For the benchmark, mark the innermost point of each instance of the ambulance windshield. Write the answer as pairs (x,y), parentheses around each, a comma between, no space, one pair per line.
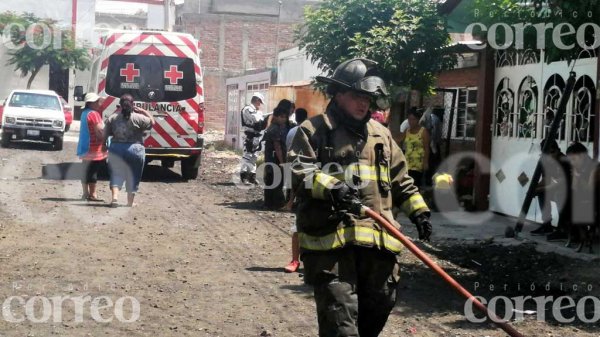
(151,78)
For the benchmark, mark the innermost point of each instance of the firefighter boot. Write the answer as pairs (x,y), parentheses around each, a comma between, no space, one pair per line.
(244,178)
(252,178)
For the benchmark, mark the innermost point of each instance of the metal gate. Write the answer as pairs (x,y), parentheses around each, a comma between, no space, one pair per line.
(527,94)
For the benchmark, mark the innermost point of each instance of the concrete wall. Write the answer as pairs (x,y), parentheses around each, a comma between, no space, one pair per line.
(156,17)
(59,10)
(12,80)
(291,10)
(293,66)
(119,21)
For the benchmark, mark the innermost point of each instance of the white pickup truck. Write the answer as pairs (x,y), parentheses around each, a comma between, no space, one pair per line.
(33,115)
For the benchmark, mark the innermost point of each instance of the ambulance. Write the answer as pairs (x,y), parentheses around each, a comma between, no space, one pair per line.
(162,71)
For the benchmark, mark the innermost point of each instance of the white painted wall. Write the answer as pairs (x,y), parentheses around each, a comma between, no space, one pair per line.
(293,66)
(59,10)
(156,17)
(12,80)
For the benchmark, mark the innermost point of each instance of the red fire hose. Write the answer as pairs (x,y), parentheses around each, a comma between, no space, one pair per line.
(423,257)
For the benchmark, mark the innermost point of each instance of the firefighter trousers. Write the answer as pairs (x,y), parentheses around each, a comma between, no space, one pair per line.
(354,288)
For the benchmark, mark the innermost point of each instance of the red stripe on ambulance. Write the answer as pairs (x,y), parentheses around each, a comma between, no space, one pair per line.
(151,142)
(173,123)
(170,45)
(189,43)
(165,135)
(129,45)
(113,38)
(152,50)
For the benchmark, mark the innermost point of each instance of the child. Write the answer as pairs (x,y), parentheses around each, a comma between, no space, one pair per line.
(300,115)
(275,152)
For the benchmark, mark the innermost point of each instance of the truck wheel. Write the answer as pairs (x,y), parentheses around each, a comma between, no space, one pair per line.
(58,144)
(5,140)
(189,170)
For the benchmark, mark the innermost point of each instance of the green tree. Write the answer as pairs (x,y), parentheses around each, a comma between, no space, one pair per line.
(406,37)
(46,44)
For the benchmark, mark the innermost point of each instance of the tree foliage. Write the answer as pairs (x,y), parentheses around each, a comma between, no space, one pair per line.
(46,44)
(530,13)
(406,37)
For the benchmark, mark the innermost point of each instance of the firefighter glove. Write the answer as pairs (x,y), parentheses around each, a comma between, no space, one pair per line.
(423,226)
(345,199)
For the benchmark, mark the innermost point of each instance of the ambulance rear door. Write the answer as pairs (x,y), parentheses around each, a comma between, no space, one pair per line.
(164,85)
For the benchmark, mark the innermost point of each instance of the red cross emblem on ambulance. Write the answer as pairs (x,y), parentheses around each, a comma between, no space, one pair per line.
(173,75)
(129,72)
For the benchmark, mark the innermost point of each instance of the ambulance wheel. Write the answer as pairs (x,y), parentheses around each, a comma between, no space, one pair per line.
(189,170)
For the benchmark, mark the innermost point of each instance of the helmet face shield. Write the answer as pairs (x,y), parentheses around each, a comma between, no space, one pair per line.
(383,103)
(373,85)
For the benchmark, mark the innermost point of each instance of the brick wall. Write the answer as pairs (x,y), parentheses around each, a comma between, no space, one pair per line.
(231,33)
(465,77)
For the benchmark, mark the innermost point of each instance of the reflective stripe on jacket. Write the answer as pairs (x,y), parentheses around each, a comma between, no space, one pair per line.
(325,153)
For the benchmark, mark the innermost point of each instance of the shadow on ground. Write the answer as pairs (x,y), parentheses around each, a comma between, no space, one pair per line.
(266,269)
(31,145)
(74,171)
(255,205)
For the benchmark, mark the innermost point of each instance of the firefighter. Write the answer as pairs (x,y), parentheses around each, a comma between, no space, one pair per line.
(341,160)
(253,123)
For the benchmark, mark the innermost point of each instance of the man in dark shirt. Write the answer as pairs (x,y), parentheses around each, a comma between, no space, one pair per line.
(554,187)
(585,192)
(275,153)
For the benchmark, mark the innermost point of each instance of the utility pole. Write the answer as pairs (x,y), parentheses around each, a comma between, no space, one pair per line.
(74,18)
(167,7)
(277,36)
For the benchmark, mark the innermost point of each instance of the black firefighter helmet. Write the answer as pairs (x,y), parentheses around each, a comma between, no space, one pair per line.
(357,74)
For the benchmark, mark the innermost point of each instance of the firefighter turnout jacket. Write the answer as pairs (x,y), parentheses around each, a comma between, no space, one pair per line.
(326,151)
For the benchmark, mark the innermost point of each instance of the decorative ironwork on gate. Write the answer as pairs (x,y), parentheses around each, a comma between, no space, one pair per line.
(552,93)
(583,119)
(527,108)
(504,109)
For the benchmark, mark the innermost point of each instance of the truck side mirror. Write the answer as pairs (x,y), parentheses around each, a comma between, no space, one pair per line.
(78,93)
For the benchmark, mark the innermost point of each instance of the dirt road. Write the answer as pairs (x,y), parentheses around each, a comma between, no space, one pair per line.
(201,259)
